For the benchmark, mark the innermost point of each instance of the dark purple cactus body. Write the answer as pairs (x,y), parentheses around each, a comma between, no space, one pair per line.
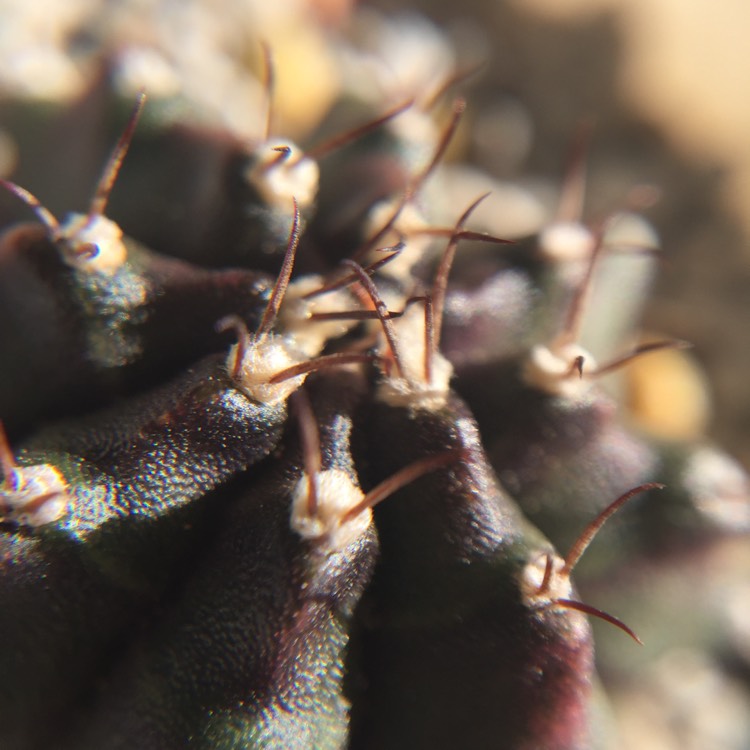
(454,653)
(106,335)
(251,653)
(248,510)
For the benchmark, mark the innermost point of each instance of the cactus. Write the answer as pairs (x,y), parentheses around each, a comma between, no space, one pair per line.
(276,474)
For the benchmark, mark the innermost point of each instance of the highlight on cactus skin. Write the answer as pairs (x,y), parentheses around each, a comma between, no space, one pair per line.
(298,449)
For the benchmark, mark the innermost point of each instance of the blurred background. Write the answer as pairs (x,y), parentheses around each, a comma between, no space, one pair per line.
(664,82)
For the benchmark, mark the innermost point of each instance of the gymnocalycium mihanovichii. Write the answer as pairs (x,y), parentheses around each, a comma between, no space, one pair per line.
(180,564)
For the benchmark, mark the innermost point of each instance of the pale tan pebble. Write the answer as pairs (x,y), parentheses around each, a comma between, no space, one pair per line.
(42,72)
(308,78)
(395,57)
(511,211)
(563,241)
(146,68)
(667,394)
(721,488)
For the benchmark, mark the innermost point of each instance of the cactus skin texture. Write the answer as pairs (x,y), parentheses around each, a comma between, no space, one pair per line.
(252,653)
(195,550)
(454,549)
